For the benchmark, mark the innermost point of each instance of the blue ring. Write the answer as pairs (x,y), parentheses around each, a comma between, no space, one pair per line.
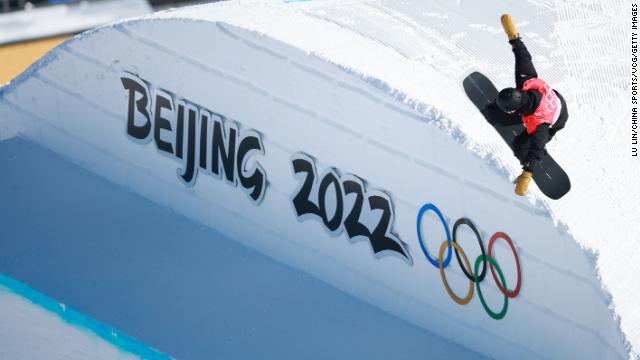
(433,261)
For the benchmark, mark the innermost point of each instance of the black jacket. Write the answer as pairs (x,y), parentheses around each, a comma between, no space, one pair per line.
(530,148)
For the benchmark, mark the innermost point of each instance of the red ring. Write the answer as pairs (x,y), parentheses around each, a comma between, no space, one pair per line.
(498,235)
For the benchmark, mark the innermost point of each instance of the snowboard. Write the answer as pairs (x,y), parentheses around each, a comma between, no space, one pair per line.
(552,180)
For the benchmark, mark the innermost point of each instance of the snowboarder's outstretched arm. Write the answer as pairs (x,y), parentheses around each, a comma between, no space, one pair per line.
(524,65)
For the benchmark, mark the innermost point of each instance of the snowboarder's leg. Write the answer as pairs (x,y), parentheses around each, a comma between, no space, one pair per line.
(521,146)
(524,64)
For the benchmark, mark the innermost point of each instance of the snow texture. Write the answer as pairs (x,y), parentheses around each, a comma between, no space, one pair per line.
(373,89)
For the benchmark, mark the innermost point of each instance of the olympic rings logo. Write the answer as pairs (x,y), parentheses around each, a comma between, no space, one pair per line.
(475,276)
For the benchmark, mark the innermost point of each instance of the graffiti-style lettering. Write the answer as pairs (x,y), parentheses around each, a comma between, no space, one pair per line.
(137,108)
(197,138)
(324,198)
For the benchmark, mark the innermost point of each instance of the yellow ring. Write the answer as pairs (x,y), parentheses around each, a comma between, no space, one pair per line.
(444,278)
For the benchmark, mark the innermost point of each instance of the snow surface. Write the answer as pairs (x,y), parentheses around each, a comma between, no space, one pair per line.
(415,53)
(139,279)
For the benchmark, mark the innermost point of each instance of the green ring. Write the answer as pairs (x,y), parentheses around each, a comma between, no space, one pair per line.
(503,312)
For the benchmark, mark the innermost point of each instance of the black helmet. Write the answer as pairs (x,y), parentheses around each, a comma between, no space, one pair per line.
(509,99)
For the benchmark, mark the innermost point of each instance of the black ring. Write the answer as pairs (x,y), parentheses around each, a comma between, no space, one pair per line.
(470,224)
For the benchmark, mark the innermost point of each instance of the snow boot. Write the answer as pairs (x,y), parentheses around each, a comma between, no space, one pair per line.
(522,182)
(509,27)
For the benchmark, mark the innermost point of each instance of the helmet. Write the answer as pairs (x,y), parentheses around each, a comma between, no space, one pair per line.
(509,100)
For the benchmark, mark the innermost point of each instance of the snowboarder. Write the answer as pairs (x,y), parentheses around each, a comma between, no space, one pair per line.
(542,110)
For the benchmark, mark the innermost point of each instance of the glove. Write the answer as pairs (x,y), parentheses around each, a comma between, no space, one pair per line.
(509,27)
(522,182)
